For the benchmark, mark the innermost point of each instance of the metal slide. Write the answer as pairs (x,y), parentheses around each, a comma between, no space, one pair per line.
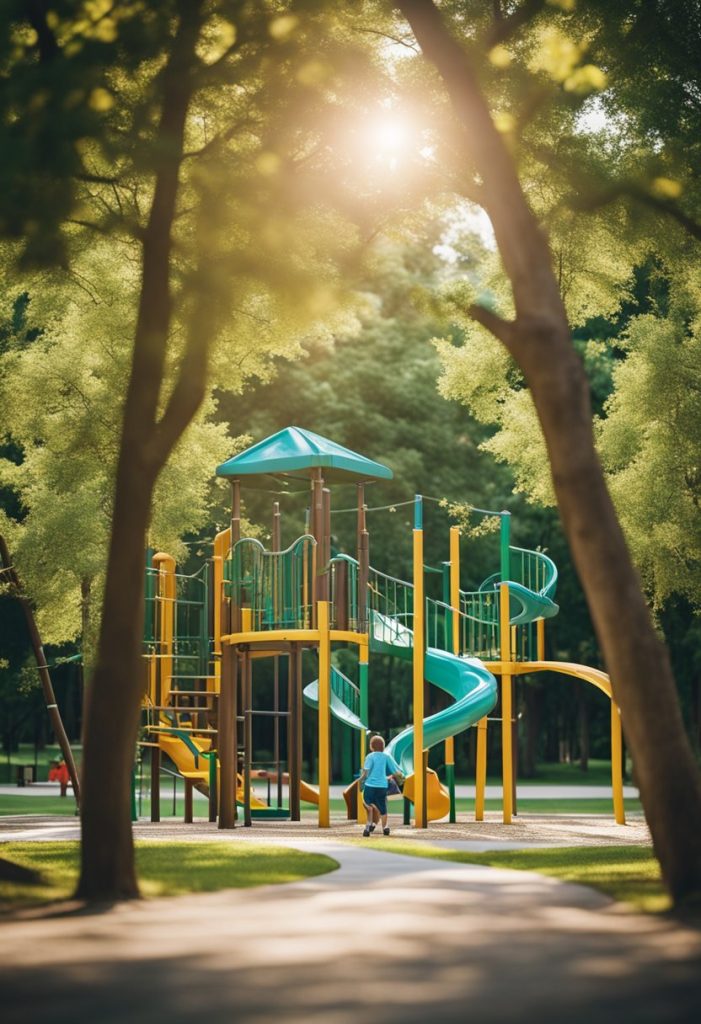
(466,680)
(185,752)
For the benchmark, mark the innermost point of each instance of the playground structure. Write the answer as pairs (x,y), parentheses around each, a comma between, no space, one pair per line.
(205,632)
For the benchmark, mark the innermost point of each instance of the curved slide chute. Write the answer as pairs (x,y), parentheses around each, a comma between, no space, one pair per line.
(526,603)
(471,685)
(185,751)
(339,709)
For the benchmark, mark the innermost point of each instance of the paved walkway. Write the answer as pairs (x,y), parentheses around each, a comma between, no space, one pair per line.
(383,939)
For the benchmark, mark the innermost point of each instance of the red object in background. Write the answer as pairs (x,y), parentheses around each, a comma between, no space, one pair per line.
(60,774)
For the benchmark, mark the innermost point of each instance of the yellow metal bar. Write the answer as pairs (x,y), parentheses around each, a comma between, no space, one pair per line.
(418,680)
(247,621)
(540,638)
(506,705)
(450,750)
(272,635)
(324,713)
(617,764)
(349,636)
(591,675)
(166,599)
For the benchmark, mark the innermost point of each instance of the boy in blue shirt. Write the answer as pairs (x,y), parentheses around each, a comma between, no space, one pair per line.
(378,765)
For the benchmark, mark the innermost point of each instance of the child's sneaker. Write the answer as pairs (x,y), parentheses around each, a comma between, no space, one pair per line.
(366,831)
(372,827)
(385,831)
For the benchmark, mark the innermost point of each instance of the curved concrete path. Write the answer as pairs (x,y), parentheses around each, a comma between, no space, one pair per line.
(383,939)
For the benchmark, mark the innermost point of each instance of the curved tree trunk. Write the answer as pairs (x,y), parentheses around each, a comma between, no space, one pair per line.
(540,342)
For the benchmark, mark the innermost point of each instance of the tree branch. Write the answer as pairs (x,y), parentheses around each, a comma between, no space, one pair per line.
(496,325)
(504,29)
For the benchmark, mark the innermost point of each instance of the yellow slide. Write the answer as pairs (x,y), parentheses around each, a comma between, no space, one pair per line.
(184,759)
(437,796)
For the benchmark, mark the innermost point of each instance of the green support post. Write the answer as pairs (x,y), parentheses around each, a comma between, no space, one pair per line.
(450,779)
(504,543)
(134,815)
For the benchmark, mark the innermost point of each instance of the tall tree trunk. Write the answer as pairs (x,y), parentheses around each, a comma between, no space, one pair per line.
(116,688)
(540,342)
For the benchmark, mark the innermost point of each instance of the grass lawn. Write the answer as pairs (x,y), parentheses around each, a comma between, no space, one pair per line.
(165,869)
(627,873)
(19,803)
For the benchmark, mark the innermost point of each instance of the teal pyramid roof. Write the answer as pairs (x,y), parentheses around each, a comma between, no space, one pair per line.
(296,452)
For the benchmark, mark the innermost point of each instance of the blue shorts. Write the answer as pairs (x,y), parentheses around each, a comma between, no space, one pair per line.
(377,796)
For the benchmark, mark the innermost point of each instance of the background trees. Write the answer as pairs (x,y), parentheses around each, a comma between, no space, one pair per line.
(189,189)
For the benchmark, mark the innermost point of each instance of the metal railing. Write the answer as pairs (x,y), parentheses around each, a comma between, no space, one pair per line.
(278,586)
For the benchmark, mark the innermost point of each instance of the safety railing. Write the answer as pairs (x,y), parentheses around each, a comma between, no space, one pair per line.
(479,624)
(392,598)
(346,691)
(176,624)
(534,570)
(278,586)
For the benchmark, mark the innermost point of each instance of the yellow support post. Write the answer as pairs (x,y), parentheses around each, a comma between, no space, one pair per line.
(420,820)
(324,713)
(506,706)
(166,600)
(540,639)
(363,668)
(617,764)
(222,543)
(455,636)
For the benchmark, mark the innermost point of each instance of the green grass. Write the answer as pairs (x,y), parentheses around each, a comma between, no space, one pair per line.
(164,869)
(18,803)
(630,874)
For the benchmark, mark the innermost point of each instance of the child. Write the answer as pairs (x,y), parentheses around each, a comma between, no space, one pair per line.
(378,765)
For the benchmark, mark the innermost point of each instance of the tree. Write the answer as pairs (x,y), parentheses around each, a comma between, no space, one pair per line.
(538,338)
(156,129)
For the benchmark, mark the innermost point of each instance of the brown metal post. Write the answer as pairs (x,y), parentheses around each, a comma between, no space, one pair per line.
(341,595)
(188,802)
(363,580)
(9,573)
(326,500)
(226,739)
(360,525)
(155,782)
(318,532)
